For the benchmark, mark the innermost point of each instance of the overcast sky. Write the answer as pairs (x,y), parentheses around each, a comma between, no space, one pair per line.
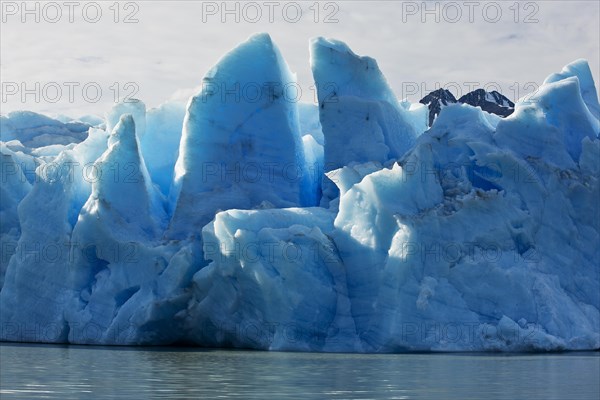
(173,43)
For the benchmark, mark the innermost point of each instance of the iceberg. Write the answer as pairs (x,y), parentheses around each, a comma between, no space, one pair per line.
(37,130)
(135,107)
(13,188)
(360,116)
(450,234)
(581,70)
(246,219)
(241,145)
(293,293)
(35,294)
(160,144)
(116,237)
(555,115)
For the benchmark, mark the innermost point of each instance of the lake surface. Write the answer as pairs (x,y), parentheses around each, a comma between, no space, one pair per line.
(73,372)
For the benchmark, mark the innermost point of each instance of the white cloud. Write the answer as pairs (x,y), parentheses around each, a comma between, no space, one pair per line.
(171,48)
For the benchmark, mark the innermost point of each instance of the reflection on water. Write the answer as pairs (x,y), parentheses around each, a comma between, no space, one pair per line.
(68,372)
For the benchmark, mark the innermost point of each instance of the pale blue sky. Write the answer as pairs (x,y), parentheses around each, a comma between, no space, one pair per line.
(168,51)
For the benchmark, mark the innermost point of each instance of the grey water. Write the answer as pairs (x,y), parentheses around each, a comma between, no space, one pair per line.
(75,372)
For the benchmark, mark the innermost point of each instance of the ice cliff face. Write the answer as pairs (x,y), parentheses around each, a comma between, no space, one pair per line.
(461,227)
(478,234)
(581,70)
(360,116)
(241,145)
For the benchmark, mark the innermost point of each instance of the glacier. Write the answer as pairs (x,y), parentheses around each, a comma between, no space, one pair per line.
(248,219)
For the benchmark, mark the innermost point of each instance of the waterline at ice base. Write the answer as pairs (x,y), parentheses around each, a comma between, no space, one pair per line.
(351,225)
